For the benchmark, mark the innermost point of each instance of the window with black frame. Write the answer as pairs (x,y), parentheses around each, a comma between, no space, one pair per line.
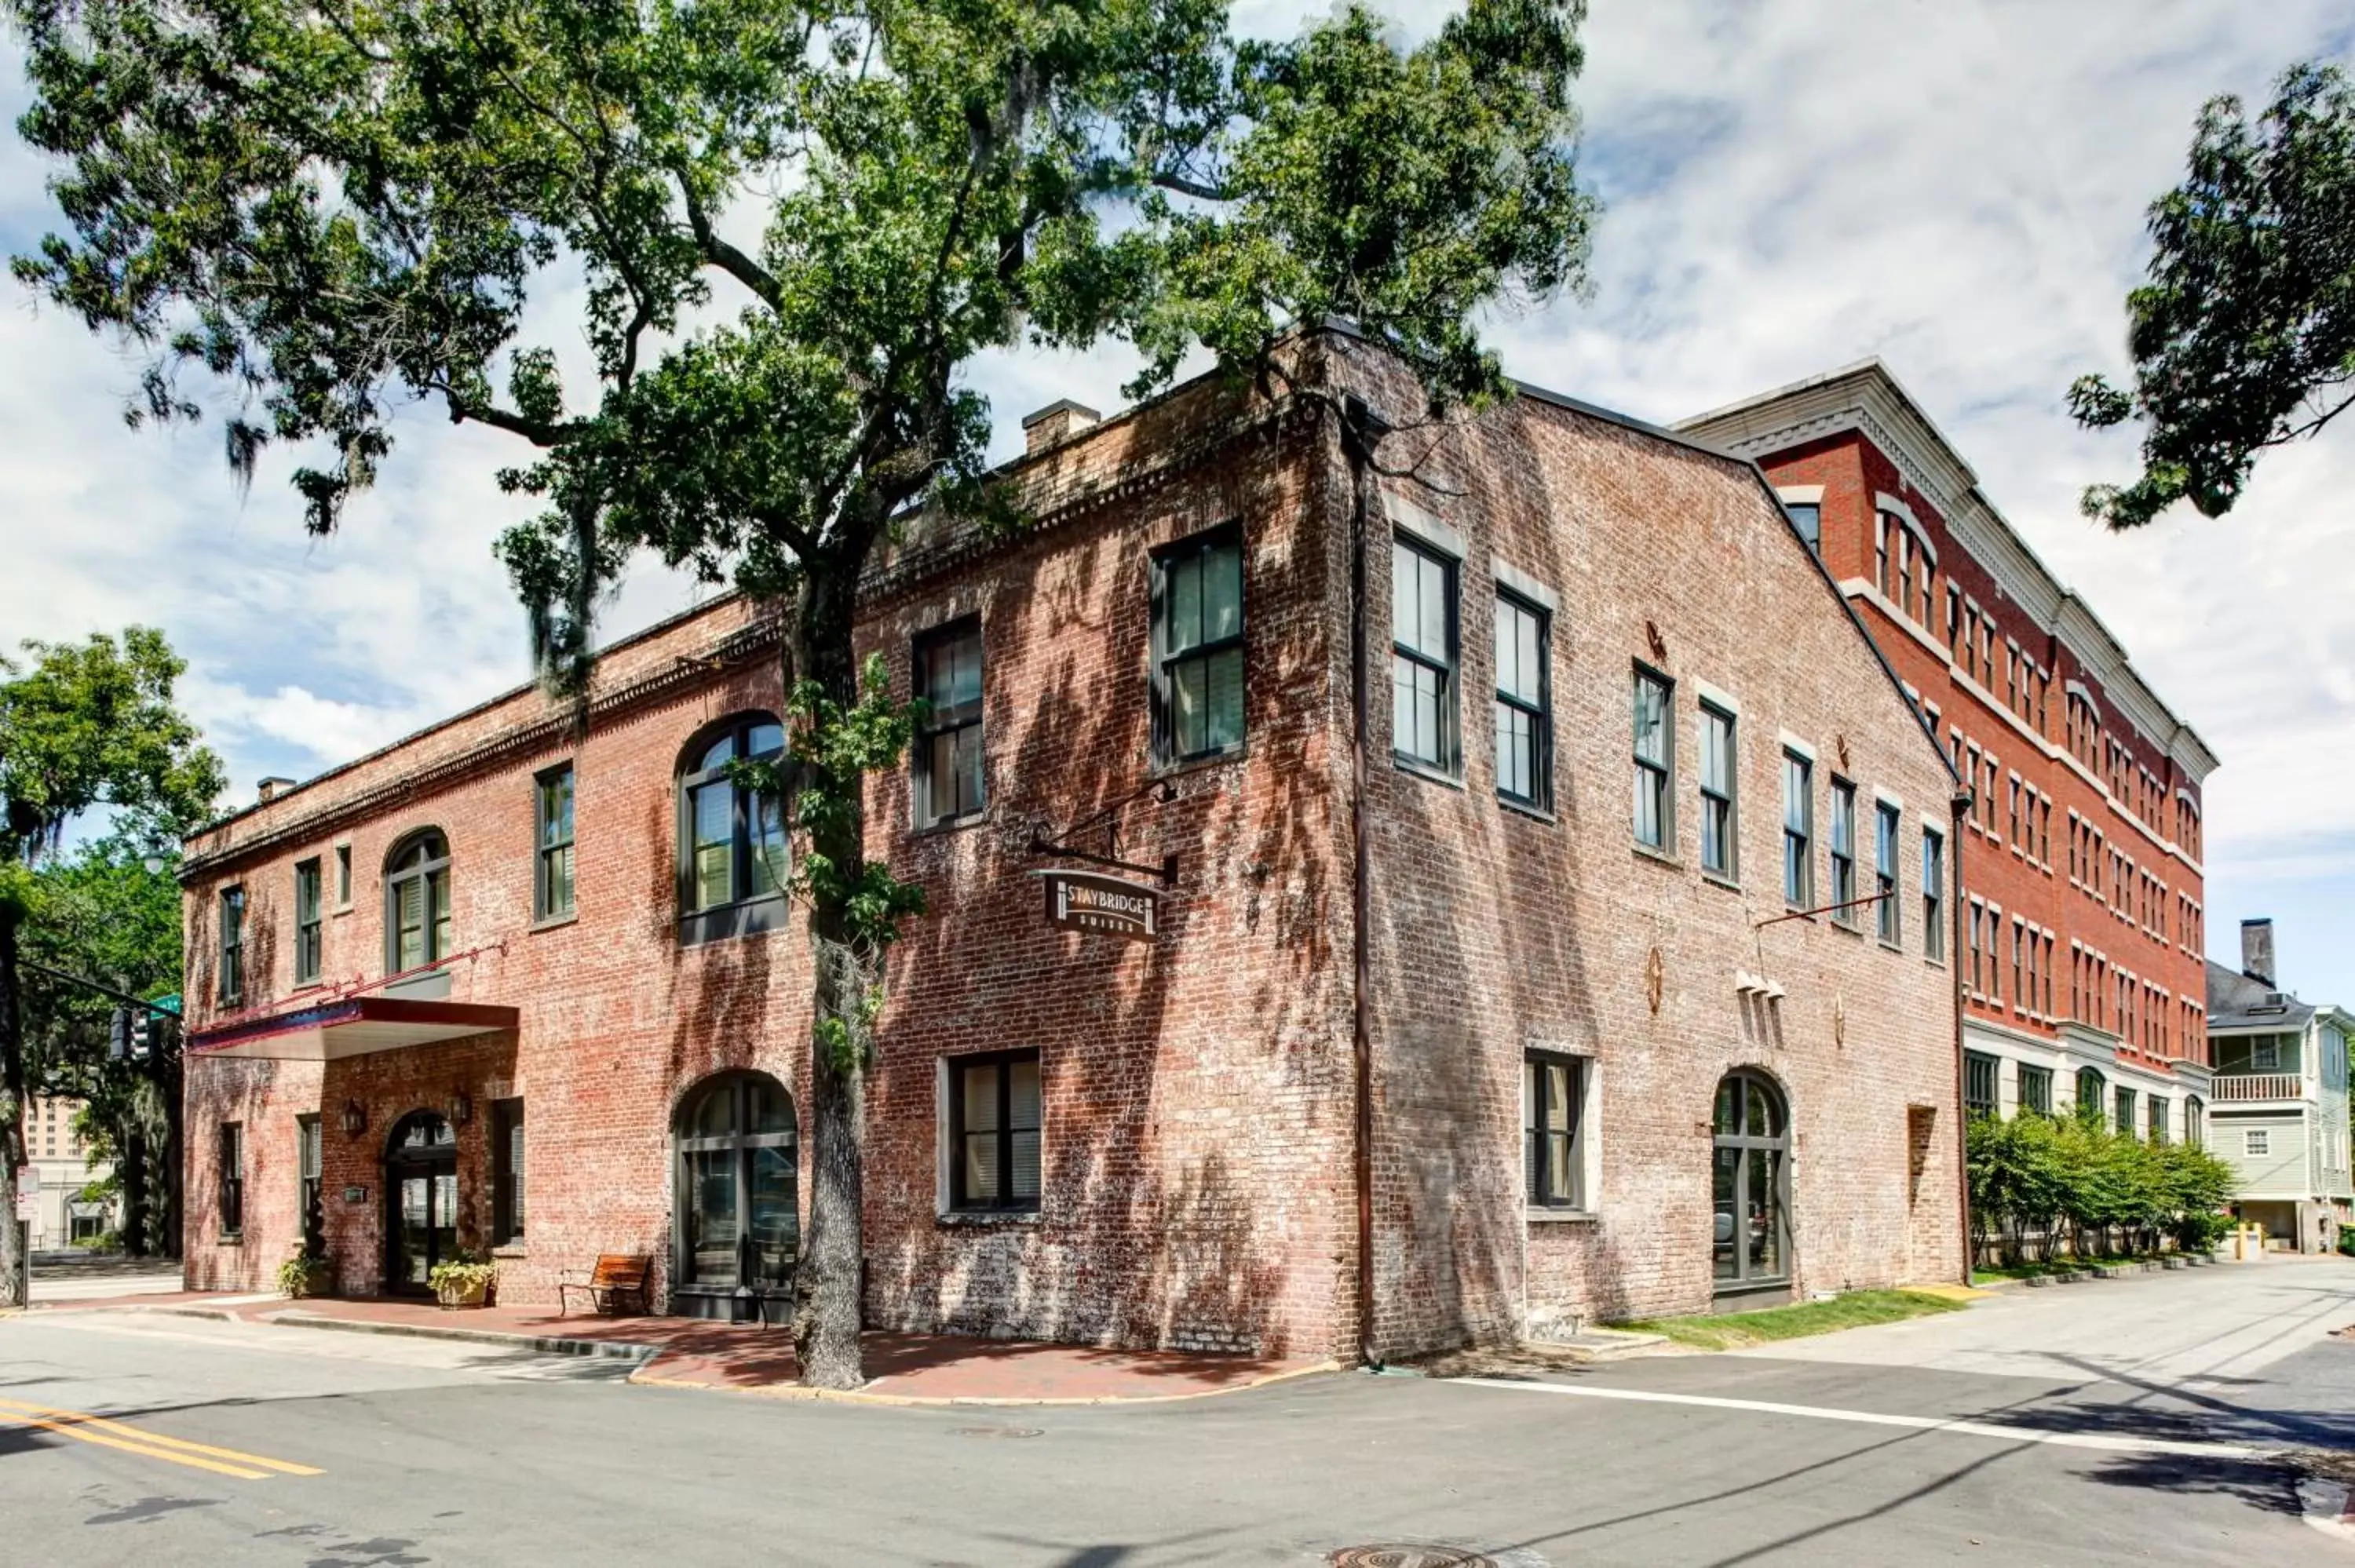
(1978,1083)
(1553,1093)
(507,1173)
(2090,1086)
(1807,517)
(309,1169)
(1198,647)
(232,1178)
(417,902)
(230,973)
(2036,1089)
(738,1217)
(1524,717)
(552,812)
(731,837)
(1719,854)
(1656,760)
(1843,852)
(994,1132)
(947,754)
(1423,657)
(1888,823)
(309,924)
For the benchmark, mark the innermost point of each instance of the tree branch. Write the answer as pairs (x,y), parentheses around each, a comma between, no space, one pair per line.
(541,434)
(719,252)
(1185,187)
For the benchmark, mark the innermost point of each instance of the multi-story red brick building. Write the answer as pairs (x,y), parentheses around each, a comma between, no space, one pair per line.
(2083,953)
(1492,1024)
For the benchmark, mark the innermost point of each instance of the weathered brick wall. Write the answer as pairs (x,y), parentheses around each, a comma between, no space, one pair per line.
(1495,930)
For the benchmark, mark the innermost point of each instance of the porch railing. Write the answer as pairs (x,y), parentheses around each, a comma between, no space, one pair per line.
(2260,1086)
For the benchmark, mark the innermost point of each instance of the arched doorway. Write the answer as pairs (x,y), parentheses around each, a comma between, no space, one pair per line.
(737,1227)
(420,1195)
(1751,1173)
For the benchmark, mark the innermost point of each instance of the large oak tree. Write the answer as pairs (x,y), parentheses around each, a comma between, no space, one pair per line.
(788,228)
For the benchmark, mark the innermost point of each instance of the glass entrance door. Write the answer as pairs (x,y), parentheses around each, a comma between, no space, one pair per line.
(421,1186)
(1751,1249)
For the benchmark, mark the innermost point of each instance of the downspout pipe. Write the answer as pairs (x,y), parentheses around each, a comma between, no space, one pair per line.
(1959,807)
(1360,429)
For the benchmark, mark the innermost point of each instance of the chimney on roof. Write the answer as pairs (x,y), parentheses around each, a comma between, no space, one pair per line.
(270,789)
(1058,421)
(2257,950)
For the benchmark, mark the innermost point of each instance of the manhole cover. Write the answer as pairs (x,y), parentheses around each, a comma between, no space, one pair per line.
(1408,1556)
(998,1432)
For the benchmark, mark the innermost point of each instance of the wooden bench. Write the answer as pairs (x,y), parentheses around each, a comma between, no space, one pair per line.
(617,1274)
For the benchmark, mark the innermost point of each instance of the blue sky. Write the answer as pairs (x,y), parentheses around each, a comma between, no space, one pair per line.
(1956,188)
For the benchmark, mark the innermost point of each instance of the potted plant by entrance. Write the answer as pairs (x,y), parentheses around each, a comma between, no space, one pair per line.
(463,1280)
(307,1273)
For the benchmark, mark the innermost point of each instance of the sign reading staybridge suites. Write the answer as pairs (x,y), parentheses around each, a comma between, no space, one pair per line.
(1090,901)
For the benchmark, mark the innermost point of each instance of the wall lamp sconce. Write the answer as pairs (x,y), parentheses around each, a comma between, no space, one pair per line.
(462,1107)
(355,1118)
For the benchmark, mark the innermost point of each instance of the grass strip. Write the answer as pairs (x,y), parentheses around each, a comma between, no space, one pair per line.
(1734,1330)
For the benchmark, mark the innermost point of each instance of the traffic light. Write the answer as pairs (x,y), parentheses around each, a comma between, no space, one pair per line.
(142,1034)
(118,1036)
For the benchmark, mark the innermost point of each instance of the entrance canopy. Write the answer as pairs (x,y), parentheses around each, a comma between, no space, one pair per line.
(354,1026)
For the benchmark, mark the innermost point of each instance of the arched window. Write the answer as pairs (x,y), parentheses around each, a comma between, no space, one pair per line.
(2195,1126)
(738,1220)
(1751,1177)
(417,902)
(731,840)
(2090,1087)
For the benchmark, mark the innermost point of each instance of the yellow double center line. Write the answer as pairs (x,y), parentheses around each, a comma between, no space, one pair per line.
(97,1429)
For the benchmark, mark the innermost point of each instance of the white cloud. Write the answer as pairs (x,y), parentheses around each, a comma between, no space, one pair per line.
(1958,188)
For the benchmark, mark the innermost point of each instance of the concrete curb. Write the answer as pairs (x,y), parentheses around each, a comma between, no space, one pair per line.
(2102,1271)
(550,1344)
(939,1402)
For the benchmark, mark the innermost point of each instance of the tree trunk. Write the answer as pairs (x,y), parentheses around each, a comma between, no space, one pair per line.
(134,1194)
(15,1237)
(828,1309)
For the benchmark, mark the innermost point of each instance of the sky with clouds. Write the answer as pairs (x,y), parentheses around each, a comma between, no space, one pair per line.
(1955,186)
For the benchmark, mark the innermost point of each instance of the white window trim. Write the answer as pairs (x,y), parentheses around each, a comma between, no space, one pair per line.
(1800,494)
(1515,582)
(1718,698)
(1793,743)
(1424,525)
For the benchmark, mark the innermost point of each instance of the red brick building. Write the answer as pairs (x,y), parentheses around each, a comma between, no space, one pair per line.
(509,985)
(2083,951)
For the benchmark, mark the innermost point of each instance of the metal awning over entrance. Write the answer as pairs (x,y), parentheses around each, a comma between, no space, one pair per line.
(354,1026)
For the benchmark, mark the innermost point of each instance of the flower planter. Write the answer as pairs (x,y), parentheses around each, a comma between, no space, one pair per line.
(463,1293)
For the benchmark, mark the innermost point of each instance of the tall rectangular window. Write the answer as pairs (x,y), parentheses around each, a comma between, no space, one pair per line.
(947,747)
(1718,832)
(1843,852)
(994,1123)
(1423,656)
(1198,647)
(308,926)
(1553,1090)
(230,974)
(309,1166)
(2126,1109)
(1934,893)
(507,1173)
(1656,751)
(343,877)
(2036,1089)
(1524,702)
(1798,831)
(232,1178)
(1978,1083)
(552,813)
(1889,916)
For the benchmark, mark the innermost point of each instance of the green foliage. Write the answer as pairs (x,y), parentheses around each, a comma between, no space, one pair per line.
(463,1273)
(2035,1174)
(2244,336)
(90,725)
(304,1275)
(1736,1331)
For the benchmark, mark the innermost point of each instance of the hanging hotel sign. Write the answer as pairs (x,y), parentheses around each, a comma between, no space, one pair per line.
(1091,901)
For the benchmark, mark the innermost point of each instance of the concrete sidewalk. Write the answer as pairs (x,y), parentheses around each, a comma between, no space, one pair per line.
(686,1352)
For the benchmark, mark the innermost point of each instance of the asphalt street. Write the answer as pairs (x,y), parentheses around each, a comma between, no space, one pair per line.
(2130,1420)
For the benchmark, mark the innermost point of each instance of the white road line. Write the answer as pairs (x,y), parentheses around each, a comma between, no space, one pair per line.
(2112,1444)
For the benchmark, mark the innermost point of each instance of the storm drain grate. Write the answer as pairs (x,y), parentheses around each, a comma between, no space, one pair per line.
(1408,1556)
